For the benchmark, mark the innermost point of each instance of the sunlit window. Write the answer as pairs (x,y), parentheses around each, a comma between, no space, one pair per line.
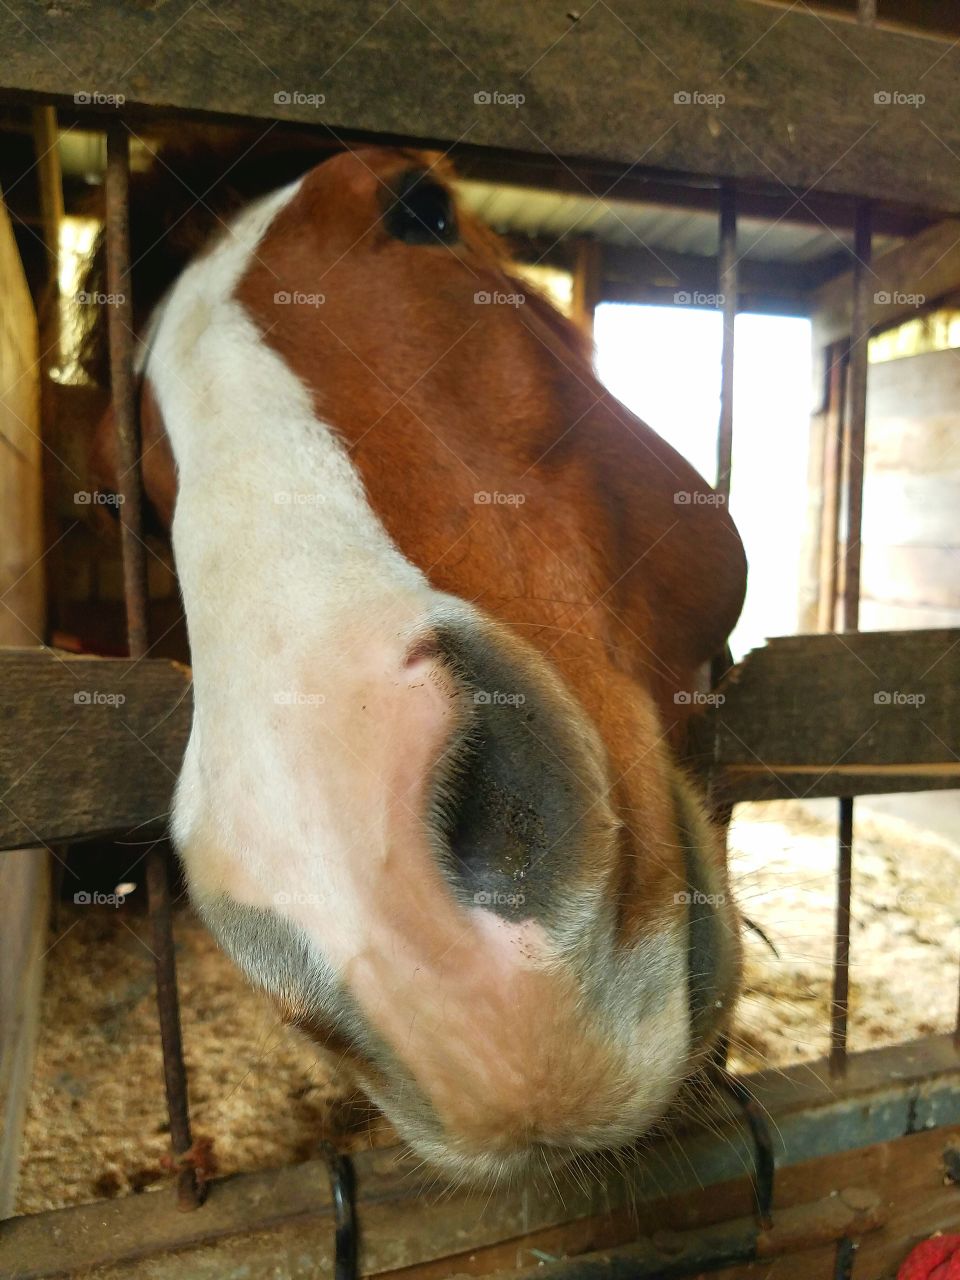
(664,364)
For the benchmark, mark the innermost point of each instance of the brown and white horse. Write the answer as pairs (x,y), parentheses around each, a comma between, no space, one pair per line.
(447,604)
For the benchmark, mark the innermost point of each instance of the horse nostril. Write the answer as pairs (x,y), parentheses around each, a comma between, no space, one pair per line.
(515,796)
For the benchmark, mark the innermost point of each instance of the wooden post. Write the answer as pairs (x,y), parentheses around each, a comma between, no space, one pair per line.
(24,873)
(728,288)
(587,280)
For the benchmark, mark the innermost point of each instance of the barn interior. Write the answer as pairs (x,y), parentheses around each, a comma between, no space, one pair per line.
(631,254)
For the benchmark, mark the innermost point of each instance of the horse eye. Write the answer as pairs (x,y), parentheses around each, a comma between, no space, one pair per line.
(422,212)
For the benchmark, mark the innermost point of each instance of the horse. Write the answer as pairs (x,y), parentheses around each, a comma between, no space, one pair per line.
(449,604)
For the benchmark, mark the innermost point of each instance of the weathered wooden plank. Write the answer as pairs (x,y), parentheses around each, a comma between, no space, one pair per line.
(280,1221)
(24,877)
(87,745)
(805,716)
(24,910)
(831,715)
(908,277)
(799,104)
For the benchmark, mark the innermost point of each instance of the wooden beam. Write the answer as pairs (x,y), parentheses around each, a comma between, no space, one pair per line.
(905,281)
(603,180)
(635,274)
(280,1221)
(805,715)
(88,745)
(638,86)
(835,715)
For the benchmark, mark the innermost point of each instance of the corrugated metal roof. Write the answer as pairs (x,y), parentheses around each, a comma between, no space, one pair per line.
(531,211)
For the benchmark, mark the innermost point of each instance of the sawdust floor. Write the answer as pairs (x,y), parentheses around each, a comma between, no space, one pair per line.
(95,1125)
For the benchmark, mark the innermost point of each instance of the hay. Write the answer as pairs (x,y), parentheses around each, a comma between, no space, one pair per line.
(905,932)
(96,1119)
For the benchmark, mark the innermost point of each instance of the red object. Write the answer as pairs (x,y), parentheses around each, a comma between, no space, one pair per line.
(936,1259)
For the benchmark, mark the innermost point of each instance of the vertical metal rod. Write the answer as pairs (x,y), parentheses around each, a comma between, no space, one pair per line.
(856,433)
(854,447)
(832,485)
(190,1192)
(120,333)
(727,288)
(727,282)
(841,957)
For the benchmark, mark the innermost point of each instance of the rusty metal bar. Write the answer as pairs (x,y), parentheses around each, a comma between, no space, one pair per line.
(727,287)
(840,1005)
(129,487)
(854,448)
(837,354)
(856,432)
(123,387)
